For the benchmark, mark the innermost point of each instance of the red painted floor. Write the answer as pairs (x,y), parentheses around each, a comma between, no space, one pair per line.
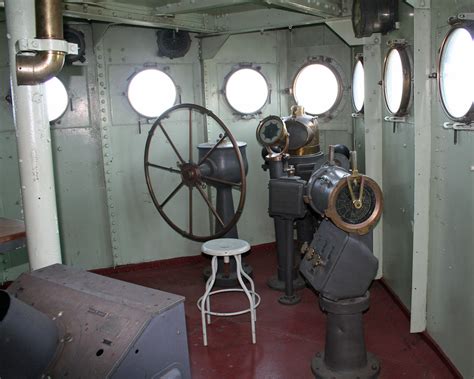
(287,336)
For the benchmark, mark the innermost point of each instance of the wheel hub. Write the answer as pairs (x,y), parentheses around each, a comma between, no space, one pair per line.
(190,174)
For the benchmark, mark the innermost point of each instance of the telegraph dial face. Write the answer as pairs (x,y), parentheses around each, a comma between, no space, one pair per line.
(271,131)
(346,209)
(355,205)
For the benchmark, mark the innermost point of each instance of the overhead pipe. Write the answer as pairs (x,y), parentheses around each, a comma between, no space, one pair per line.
(33,135)
(34,69)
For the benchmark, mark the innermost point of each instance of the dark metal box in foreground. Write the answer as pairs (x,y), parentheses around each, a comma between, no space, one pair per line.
(342,265)
(108,328)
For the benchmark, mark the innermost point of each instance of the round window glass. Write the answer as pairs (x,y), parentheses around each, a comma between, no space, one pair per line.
(456,76)
(316,88)
(151,92)
(246,90)
(358,88)
(397,81)
(57,98)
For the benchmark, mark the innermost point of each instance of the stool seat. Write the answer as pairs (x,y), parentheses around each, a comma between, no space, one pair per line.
(225,247)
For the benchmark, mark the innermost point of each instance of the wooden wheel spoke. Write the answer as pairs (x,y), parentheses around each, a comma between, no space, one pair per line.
(211,207)
(170,169)
(171,143)
(222,181)
(171,195)
(187,167)
(190,210)
(207,155)
(190,136)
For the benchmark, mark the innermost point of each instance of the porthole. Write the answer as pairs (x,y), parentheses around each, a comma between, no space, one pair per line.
(246,90)
(456,73)
(151,92)
(57,99)
(397,80)
(318,88)
(358,86)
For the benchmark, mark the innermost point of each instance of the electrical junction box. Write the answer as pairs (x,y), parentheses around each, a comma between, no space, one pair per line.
(337,264)
(286,197)
(107,328)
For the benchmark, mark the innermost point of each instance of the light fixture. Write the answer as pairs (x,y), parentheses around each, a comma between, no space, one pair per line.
(374,16)
(456,73)
(246,90)
(318,88)
(397,80)
(151,92)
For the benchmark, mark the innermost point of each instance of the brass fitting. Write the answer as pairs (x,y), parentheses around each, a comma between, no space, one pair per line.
(38,68)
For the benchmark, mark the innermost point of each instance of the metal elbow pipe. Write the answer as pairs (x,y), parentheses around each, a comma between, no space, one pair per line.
(35,69)
(38,68)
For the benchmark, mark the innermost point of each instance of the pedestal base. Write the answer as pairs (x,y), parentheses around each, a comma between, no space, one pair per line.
(279,285)
(345,355)
(321,371)
(289,300)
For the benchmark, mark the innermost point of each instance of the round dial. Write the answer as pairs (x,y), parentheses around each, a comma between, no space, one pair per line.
(355,204)
(271,131)
(348,211)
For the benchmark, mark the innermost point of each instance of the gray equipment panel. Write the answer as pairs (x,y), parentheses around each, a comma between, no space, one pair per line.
(339,265)
(108,328)
(286,197)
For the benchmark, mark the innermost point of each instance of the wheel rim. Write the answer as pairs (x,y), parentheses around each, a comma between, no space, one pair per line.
(191,176)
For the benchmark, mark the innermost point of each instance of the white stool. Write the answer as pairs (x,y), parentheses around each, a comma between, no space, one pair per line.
(227,247)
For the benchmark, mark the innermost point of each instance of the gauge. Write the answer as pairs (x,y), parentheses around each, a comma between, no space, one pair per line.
(351,213)
(271,131)
(355,204)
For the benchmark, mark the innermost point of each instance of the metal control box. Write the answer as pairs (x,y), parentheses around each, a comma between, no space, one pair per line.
(339,265)
(107,328)
(286,197)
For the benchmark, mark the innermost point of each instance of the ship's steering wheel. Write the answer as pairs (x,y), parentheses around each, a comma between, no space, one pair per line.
(199,174)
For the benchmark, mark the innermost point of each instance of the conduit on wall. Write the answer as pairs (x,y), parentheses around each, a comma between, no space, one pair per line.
(31,122)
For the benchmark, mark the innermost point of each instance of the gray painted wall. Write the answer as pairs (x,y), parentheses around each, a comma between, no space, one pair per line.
(450,304)
(91,237)
(398,182)
(106,216)
(280,55)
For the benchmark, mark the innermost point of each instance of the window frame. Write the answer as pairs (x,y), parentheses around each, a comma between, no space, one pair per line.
(469,116)
(358,58)
(405,59)
(257,68)
(68,103)
(146,68)
(332,65)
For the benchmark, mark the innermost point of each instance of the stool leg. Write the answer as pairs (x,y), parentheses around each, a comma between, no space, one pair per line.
(205,299)
(252,286)
(208,301)
(238,261)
